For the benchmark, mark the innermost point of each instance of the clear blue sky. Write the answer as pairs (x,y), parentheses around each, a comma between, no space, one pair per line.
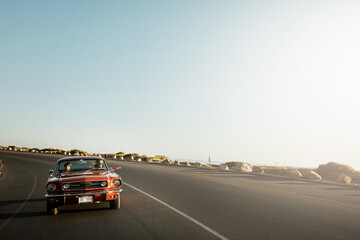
(264,82)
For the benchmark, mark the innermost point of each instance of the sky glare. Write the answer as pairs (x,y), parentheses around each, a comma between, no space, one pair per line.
(266,82)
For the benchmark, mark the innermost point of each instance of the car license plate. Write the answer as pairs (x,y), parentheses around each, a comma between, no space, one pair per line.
(86,199)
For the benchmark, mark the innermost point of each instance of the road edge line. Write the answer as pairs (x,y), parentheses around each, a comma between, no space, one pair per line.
(181,213)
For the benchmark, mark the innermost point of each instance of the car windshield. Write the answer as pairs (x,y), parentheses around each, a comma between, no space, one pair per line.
(76,165)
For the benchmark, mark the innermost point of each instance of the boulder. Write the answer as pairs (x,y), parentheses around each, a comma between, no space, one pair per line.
(223,167)
(205,165)
(312,175)
(355,177)
(343,179)
(197,164)
(331,171)
(167,161)
(155,160)
(240,166)
(110,155)
(257,169)
(294,173)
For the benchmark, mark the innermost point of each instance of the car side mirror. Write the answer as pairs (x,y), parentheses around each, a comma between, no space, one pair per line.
(51,171)
(114,168)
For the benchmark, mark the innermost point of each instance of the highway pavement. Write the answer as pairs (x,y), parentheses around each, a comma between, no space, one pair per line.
(177,202)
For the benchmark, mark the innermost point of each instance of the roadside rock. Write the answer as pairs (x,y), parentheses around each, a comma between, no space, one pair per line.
(257,169)
(185,163)
(223,167)
(110,155)
(197,164)
(355,177)
(240,166)
(343,179)
(167,161)
(312,175)
(206,166)
(154,160)
(294,173)
(331,171)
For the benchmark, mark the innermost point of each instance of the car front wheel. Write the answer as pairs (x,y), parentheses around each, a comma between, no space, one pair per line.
(51,209)
(115,204)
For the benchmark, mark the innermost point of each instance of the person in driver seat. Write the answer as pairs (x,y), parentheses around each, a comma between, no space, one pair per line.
(67,167)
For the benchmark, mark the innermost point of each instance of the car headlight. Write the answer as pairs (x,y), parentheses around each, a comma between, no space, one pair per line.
(51,187)
(66,186)
(104,184)
(116,183)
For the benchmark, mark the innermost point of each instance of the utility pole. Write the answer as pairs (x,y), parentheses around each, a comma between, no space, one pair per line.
(209,159)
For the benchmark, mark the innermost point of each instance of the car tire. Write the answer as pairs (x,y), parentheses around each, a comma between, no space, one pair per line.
(51,209)
(115,204)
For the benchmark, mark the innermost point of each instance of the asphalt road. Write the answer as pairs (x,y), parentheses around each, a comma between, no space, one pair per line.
(174,202)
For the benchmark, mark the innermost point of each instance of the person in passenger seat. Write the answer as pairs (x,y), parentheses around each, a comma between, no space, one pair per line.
(99,164)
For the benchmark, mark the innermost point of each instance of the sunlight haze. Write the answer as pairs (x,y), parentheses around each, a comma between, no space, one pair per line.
(265,82)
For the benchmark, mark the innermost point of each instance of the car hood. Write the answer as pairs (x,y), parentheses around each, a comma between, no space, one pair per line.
(83,176)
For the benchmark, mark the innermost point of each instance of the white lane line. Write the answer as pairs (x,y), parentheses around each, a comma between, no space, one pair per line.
(181,213)
(22,204)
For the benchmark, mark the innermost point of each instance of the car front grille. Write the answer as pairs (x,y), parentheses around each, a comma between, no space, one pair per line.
(86,185)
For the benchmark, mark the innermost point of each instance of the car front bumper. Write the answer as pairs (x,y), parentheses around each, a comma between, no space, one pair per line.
(73,198)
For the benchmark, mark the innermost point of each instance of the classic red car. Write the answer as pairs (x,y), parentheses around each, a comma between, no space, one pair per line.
(78,180)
